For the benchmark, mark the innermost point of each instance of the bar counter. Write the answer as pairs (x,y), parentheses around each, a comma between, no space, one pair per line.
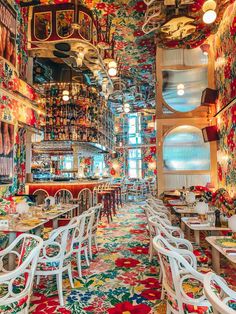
(74,187)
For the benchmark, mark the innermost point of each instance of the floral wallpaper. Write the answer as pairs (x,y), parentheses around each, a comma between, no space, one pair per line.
(15,109)
(224,43)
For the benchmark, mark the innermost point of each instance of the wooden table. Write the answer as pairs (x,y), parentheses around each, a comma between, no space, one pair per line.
(182,212)
(202,227)
(50,215)
(217,250)
(177,203)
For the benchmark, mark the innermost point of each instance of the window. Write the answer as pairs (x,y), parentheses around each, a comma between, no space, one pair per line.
(135,163)
(134,136)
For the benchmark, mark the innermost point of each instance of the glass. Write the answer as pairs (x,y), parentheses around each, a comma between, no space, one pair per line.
(211,219)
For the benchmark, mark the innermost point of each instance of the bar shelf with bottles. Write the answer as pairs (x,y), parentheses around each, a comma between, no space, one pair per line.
(84,117)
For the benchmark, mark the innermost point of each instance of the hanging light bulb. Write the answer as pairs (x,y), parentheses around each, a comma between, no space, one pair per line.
(126,109)
(126,105)
(208,8)
(209,17)
(65,95)
(180,86)
(112,64)
(112,71)
(180,92)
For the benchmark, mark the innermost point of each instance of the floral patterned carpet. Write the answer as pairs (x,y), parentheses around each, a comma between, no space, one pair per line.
(120,278)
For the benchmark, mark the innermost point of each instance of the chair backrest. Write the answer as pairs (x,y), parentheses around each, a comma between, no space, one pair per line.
(173,230)
(85,199)
(83,225)
(221,297)
(40,196)
(176,272)
(177,242)
(63,196)
(96,209)
(27,247)
(59,246)
(149,211)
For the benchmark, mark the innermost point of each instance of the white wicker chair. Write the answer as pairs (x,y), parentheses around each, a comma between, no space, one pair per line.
(55,257)
(178,272)
(85,199)
(83,234)
(219,294)
(16,285)
(93,237)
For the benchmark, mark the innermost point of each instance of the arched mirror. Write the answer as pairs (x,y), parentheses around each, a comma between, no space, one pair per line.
(184,149)
(184,73)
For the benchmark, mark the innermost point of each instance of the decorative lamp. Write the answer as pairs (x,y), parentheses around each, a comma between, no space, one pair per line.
(202,209)
(208,8)
(232,225)
(126,105)
(190,198)
(22,208)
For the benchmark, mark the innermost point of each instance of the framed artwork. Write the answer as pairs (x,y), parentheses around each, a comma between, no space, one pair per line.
(85,23)
(7,32)
(42,25)
(7,136)
(64,20)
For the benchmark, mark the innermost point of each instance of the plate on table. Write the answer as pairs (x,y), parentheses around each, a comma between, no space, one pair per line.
(226,243)
(30,222)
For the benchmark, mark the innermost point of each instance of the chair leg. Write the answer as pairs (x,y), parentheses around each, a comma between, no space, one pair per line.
(59,288)
(79,264)
(90,247)
(37,280)
(86,256)
(70,276)
(150,251)
(96,242)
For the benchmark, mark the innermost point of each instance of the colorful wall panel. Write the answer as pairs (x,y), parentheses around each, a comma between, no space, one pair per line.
(225,75)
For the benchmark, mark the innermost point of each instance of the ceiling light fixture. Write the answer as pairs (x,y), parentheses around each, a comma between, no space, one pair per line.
(180,92)
(126,110)
(112,64)
(112,71)
(126,105)
(180,86)
(209,15)
(65,95)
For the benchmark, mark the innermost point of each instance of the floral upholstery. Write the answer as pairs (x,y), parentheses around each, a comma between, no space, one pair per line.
(48,266)
(224,202)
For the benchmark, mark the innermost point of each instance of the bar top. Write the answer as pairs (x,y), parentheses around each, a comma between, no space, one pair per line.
(73,182)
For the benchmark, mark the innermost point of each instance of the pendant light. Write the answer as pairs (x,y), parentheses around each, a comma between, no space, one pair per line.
(209,15)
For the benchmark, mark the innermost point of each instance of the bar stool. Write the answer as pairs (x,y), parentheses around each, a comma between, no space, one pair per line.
(105,198)
(118,194)
(112,191)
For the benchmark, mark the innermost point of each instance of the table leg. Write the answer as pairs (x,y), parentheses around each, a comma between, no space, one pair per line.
(55,223)
(182,224)
(188,233)
(215,260)
(12,257)
(197,236)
